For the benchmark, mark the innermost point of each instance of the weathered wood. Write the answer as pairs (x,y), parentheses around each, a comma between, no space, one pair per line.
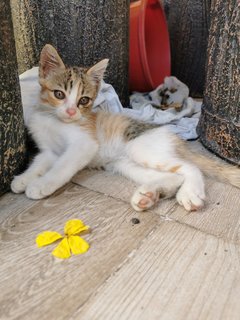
(12,137)
(178,273)
(83,31)
(219,125)
(25,35)
(188,23)
(161,268)
(34,284)
(115,186)
(220,214)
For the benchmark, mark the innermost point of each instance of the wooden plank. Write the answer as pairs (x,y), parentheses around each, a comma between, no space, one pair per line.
(115,186)
(178,273)
(13,204)
(107,183)
(219,217)
(35,285)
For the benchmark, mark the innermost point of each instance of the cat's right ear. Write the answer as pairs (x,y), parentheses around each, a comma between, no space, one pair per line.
(97,71)
(50,61)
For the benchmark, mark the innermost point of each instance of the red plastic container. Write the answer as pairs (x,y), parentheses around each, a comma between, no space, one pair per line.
(149,56)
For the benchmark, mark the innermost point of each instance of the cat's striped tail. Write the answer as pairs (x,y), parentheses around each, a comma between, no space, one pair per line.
(213,168)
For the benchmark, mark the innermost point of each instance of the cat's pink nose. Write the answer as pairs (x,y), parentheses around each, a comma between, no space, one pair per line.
(71,111)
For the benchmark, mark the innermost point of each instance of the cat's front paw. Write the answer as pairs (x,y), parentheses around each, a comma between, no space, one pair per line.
(192,199)
(39,189)
(19,184)
(144,198)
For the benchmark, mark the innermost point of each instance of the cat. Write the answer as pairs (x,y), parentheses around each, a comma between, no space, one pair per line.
(71,137)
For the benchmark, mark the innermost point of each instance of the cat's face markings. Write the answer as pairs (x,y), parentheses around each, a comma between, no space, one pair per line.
(70,94)
(70,91)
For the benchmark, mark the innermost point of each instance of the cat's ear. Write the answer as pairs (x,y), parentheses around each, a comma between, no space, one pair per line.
(97,71)
(50,61)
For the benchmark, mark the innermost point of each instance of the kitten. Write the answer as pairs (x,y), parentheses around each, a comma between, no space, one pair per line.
(71,137)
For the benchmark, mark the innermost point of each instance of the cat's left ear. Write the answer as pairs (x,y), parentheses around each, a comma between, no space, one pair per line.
(97,71)
(50,61)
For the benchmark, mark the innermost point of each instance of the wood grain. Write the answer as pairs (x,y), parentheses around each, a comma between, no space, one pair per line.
(220,120)
(34,285)
(177,274)
(115,186)
(219,217)
(12,136)
(25,36)
(170,266)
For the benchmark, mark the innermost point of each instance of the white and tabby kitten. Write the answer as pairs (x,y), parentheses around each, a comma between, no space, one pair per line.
(71,137)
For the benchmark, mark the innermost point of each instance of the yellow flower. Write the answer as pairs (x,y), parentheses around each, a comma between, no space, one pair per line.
(71,242)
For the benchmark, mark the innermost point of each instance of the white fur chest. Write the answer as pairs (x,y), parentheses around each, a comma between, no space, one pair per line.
(51,133)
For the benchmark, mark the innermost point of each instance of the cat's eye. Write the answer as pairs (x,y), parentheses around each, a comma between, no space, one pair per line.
(173,90)
(83,101)
(59,94)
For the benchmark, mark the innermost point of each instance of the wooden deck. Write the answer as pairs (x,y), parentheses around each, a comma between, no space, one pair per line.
(172,265)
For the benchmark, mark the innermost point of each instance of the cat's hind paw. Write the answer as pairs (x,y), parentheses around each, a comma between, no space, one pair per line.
(190,199)
(144,198)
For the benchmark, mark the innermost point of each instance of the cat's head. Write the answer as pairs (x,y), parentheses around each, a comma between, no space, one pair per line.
(69,92)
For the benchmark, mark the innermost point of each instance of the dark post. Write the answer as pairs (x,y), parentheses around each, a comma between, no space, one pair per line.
(12,138)
(84,32)
(24,31)
(219,125)
(188,23)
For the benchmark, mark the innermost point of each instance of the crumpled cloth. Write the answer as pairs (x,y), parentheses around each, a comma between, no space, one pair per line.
(182,123)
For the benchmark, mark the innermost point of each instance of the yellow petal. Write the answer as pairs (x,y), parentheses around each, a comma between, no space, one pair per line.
(62,250)
(78,245)
(47,237)
(74,226)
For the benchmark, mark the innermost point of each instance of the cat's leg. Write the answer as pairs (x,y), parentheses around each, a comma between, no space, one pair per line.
(158,150)
(148,195)
(153,183)
(191,194)
(75,158)
(41,163)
